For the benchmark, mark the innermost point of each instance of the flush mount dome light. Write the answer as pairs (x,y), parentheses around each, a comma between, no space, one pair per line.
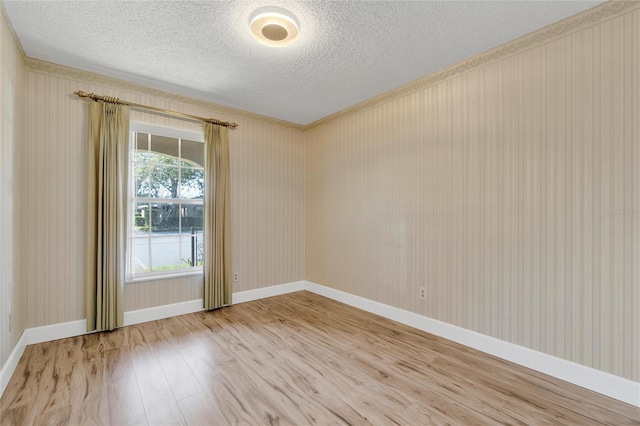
(274,28)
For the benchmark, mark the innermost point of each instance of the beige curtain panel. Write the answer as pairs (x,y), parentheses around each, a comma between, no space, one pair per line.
(107,167)
(217,218)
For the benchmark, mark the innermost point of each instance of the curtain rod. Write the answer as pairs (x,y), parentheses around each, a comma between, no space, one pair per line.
(113,100)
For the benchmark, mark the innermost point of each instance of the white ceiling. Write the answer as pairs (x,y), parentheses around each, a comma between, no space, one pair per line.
(347,52)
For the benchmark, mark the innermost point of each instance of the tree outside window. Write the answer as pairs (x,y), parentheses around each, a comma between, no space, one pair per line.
(168,182)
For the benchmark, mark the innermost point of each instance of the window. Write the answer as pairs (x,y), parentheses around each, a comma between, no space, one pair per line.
(166,208)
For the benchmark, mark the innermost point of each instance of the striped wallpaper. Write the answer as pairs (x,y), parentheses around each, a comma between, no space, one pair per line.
(267,167)
(11,117)
(510,192)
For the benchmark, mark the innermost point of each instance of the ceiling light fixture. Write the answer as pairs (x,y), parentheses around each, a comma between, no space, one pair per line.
(274,28)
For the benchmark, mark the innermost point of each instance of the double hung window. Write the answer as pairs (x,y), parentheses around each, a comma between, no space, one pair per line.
(166,204)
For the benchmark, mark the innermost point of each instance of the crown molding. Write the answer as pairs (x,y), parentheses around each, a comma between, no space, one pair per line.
(5,21)
(49,68)
(590,17)
(600,13)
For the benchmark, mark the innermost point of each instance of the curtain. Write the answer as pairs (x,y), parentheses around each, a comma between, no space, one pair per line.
(107,167)
(217,218)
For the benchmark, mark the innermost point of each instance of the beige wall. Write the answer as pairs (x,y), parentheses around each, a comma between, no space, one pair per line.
(11,116)
(491,190)
(267,166)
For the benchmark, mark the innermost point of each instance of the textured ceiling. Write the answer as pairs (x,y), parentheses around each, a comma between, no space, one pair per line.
(347,52)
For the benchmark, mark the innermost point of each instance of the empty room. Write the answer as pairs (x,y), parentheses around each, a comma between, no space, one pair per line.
(319,212)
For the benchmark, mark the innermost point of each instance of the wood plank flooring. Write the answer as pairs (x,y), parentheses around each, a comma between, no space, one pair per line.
(296,359)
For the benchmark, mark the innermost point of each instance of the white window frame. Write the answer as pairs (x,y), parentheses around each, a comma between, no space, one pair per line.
(132,201)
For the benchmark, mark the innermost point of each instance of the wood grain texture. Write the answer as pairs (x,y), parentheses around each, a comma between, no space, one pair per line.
(294,359)
(510,192)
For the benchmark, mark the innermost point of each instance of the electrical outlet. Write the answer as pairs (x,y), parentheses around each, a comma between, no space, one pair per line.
(422,293)
(235,276)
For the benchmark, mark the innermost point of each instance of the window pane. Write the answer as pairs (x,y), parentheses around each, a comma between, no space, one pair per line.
(192,153)
(141,171)
(192,183)
(166,254)
(191,217)
(165,218)
(193,244)
(142,141)
(193,248)
(166,235)
(141,255)
(141,219)
(166,146)
(164,182)
(142,157)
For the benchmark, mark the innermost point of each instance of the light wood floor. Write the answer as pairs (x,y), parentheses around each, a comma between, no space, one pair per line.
(293,359)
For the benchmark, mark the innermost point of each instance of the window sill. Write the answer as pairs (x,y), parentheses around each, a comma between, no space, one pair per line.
(153,277)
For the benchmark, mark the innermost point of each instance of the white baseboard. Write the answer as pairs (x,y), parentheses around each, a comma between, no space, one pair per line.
(63,330)
(163,311)
(598,381)
(12,362)
(262,293)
